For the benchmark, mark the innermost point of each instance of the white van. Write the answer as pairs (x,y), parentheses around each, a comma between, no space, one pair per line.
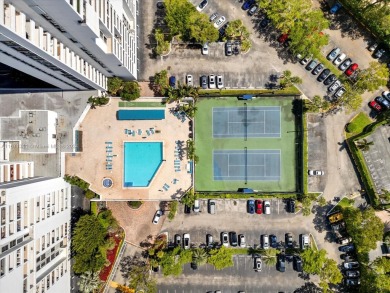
(305,241)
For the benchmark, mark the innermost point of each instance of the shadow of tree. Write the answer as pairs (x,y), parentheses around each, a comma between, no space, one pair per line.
(309,287)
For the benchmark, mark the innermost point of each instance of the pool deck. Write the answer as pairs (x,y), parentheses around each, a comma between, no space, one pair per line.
(100,126)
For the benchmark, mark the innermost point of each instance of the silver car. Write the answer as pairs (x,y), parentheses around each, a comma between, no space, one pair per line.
(339,59)
(334,86)
(333,54)
(219,81)
(339,92)
(347,62)
(213,17)
(190,81)
(220,21)
(212,81)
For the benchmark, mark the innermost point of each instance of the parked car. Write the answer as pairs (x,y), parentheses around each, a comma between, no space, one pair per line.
(223,29)
(219,22)
(345,64)
(212,206)
(305,241)
(219,81)
(274,241)
(203,81)
(373,47)
(386,95)
(172,81)
(209,240)
(336,7)
(344,240)
(196,206)
(194,266)
(205,49)
(177,240)
(259,206)
(330,79)
(225,239)
(202,5)
(281,265)
(267,207)
(352,282)
(297,263)
(265,22)
(228,48)
(190,81)
(352,274)
(305,59)
(236,50)
(334,86)
(157,216)
(247,4)
(316,173)
(289,240)
(339,92)
(233,239)
(241,240)
(282,38)
(253,10)
(351,69)
(313,63)
(265,241)
(186,241)
(379,53)
(374,105)
(291,206)
(351,265)
(324,74)
(339,59)
(251,206)
(383,102)
(213,17)
(333,54)
(347,248)
(258,264)
(347,257)
(212,83)
(318,69)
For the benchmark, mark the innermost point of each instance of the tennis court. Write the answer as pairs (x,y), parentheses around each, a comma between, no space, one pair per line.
(246,144)
(246,165)
(246,122)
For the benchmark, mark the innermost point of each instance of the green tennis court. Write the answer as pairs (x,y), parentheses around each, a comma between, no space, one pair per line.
(245,144)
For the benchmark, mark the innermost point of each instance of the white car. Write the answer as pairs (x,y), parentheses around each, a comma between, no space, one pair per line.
(186,241)
(220,21)
(339,92)
(202,5)
(339,59)
(267,207)
(190,81)
(197,206)
(305,241)
(157,216)
(334,86)
(241,240)
(225,239)
(205,49)
(258,264)
(219,81)
(316,173)
(386,95)
(265,241)
(212,81)
(333,54)
(213,17)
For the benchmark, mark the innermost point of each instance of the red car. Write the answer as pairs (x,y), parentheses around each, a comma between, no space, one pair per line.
(375,106)
(259,207)
(351,69)
(283,38)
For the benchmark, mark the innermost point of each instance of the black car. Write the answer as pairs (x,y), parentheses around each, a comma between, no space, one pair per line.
(274,241)
(223,29)
(297,263)
(236,50)
(313,63)
(352,282)
(347,257)
(330,79)
(291,206)
(281,265)
(265,22)
(194,266)
(347,248)
(203,81)
(289,240)
(324,74)
(187,209)
(233,239)
(379,53)
(352,274)
(318,69)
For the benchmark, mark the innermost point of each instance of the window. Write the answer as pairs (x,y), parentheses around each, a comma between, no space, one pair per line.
(2,267)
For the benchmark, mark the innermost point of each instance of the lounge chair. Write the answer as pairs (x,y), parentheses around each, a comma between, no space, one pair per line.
(108,142)
(139,131)
(152,130)
(133,133)
(148,132)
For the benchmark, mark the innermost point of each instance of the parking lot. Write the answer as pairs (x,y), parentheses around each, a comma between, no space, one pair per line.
(231,215)
(378,158)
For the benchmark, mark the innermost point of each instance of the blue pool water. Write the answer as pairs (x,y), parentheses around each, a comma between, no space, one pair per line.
(141,162)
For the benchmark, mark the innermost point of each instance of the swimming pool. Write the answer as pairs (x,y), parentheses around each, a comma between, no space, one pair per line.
(141,162)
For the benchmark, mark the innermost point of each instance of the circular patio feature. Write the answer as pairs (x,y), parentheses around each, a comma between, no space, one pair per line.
(107,182)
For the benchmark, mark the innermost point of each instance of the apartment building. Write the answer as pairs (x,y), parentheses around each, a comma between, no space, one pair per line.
(71,44)
(34,234)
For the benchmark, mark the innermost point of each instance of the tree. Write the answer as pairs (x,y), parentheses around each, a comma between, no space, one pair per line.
(88,239)
(236,30)
(130,91)
(89,282)
(114,84)
(288,79)
(124,289)
(322,201)
(178,17)
(306,205)
(162,46)
(199,256)
(160,82)
(313,260)
(141,280)
(385,195)
(269,257)
(364,145)
(189,198)
(201,29)
(364,227)
(172,209)
(373,77)
(351,99)
(220,258)
(330,273)
(74,180)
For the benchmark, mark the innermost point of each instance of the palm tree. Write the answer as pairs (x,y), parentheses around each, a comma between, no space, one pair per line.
(364,145)
(269,257)
(199,256)
(89,282)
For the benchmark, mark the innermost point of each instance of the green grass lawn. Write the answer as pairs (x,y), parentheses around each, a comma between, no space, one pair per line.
(141,104)
(94,207)
(357,124)
(344,203)
(205,144)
